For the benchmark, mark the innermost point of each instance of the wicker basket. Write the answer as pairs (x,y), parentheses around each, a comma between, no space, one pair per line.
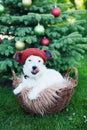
(51,100)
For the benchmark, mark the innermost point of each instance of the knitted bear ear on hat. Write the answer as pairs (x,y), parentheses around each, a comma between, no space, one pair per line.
(48,54)
(18,56)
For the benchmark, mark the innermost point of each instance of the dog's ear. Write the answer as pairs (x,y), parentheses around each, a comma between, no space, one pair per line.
(18,56)
(48,54)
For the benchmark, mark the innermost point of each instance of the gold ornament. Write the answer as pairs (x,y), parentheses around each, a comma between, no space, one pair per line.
(19,45)
(27,3)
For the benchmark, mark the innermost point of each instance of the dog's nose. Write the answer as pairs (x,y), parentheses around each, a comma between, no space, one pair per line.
(34,67)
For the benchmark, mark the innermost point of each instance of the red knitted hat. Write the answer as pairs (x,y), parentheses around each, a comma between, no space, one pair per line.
(22,56)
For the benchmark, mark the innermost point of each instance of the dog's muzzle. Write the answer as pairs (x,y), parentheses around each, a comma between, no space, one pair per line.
(35,70)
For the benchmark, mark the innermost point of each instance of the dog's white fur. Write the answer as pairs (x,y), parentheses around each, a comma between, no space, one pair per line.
(41,80)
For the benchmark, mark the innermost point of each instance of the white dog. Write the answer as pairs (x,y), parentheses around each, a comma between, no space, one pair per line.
(38,77)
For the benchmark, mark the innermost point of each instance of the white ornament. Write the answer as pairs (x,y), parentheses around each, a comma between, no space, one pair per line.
(27,3)
(19,45)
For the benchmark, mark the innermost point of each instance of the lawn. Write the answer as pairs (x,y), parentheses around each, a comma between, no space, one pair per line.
(74,117)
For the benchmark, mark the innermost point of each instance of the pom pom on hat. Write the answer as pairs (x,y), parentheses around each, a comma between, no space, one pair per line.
(22,56)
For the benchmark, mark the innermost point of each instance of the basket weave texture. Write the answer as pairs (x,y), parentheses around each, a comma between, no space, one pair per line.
(51,100)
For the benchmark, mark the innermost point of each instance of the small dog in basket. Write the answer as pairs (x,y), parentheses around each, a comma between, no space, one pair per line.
(35,74)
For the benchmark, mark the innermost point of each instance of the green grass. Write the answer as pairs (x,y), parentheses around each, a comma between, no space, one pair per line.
(74,117)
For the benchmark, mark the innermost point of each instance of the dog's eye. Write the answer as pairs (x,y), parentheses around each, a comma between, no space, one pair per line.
(39,60)
(29,60)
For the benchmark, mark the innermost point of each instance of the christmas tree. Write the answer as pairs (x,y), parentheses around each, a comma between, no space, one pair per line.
(47,25)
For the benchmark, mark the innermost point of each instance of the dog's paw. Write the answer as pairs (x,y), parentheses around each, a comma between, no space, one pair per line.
(32,96)
(15,91)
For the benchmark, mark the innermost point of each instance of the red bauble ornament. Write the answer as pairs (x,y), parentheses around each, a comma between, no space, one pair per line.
(45,41)
(0,40)
(56,11)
